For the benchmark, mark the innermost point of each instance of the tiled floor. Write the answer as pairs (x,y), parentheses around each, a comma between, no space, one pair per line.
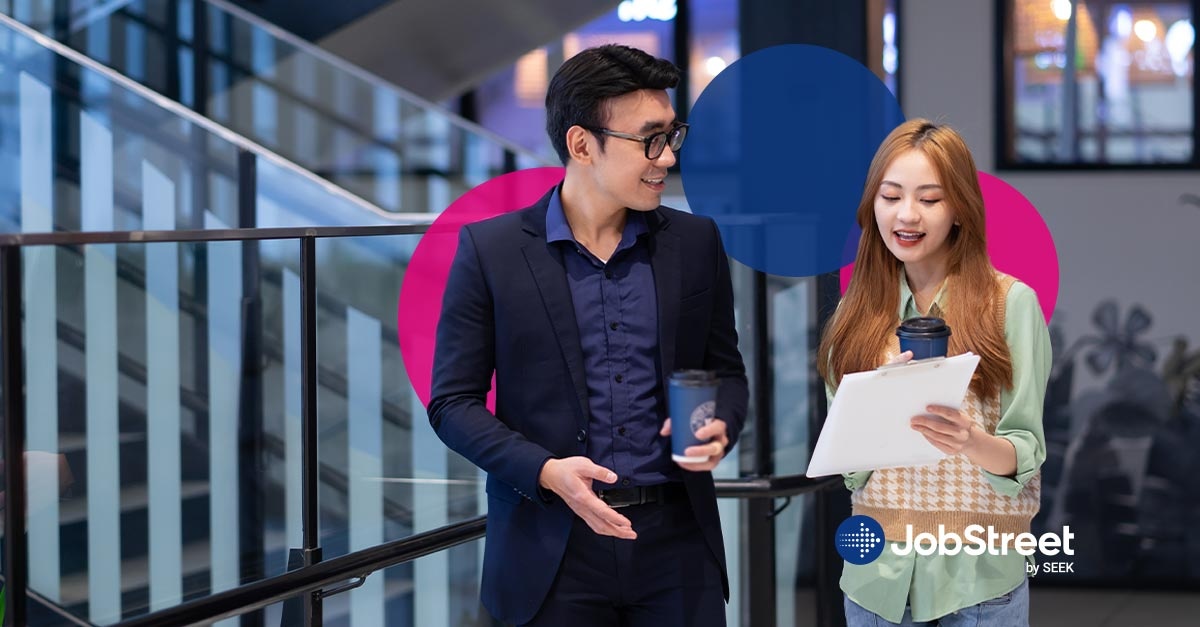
(1113,608)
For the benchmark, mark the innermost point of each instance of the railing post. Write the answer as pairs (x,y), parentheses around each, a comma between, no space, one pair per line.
(307,608)
(681,32)
(200,41)
(308,409)
(830,507)
(760,531)
(251,497)
(16,550)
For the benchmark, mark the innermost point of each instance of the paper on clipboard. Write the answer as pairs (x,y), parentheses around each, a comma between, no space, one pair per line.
(868,423)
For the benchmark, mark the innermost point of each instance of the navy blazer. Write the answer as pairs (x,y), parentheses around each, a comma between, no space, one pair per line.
(508,310)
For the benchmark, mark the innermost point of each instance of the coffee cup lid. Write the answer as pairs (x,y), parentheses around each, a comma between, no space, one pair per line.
(924,324)
(923,327)
(694,376)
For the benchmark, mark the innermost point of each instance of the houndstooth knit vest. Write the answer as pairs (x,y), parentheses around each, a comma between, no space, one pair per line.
(953,492)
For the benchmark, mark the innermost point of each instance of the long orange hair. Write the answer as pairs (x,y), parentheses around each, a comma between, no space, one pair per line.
(858,333)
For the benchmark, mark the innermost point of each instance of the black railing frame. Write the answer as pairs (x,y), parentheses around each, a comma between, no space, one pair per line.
(12,356)
(310,510)
(760,508)
(16,550)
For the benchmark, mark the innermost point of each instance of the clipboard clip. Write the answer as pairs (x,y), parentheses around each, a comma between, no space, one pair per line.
(883,370)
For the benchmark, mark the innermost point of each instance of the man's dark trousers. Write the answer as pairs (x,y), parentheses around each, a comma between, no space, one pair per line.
(667,577)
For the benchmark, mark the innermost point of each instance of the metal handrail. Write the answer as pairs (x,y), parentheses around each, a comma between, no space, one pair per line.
(362,563)
(65,238)
(773,487)
(190,116)
(307,579)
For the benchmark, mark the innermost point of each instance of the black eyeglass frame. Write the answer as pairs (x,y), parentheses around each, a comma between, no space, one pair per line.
(678,130)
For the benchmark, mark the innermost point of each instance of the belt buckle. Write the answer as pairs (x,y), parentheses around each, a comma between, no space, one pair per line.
(605,495)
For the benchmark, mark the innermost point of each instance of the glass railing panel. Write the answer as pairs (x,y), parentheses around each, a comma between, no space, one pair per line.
(794,334)
(164,388)
(390,147)
(438,589)
(399,477)
(796,595)
(147,422)
(77,139)
(270,615)
(741,459)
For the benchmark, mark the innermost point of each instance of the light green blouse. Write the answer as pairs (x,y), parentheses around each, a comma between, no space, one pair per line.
(937,585)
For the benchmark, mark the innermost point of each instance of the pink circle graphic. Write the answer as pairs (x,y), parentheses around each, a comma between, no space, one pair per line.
(1019,242)
(425,278)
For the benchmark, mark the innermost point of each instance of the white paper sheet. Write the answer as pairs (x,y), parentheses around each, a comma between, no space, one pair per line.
(868,423)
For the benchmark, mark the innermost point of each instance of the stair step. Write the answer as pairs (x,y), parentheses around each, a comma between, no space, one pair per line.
(133,497)
(135,573)
(77,442)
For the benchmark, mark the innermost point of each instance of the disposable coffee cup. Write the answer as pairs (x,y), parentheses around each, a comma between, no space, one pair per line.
(692,401)
(925,337)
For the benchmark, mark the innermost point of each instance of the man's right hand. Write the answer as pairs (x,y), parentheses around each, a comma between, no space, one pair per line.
(571,479)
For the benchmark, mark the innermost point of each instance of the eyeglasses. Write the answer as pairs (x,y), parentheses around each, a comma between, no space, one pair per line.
(656,143)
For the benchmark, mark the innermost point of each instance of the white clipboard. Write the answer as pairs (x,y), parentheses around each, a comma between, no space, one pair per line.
(868,424)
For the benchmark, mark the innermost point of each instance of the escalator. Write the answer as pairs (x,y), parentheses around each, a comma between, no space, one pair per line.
(386,145)
(93,154)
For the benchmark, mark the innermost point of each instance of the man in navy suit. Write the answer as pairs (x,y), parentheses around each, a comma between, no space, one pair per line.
(583,305)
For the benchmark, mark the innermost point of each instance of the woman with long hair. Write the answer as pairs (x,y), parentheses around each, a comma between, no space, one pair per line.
(923,252)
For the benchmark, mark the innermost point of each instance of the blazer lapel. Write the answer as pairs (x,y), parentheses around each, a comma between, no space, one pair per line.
(547,267)
(665,261)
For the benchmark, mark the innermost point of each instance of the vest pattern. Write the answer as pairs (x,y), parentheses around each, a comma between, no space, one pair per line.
(954,492)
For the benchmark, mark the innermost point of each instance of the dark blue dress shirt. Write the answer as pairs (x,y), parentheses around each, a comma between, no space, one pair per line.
(616,308)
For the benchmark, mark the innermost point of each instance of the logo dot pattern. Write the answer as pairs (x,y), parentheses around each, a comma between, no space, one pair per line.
(859,540)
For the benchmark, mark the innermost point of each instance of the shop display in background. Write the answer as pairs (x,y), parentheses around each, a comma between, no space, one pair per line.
(1123,94)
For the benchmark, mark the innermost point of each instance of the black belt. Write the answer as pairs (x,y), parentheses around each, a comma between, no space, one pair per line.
(641,495)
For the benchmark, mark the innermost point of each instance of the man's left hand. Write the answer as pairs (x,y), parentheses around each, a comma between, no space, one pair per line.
(714,450)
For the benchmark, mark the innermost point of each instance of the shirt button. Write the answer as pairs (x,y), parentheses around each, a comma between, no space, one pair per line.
(608,274)
(619,378)
(621,430)
(612,325)
(624,482)
(582,435)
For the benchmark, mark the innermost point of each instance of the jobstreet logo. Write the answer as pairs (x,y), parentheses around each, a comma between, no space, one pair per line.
(860,541)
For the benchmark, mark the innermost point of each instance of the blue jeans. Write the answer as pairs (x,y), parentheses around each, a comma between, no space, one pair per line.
(1006,610)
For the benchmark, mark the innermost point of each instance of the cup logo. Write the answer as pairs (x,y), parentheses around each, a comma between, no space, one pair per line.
(702,415)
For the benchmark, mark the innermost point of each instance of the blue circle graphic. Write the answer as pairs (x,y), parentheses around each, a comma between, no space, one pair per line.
(859,540)
(777,153)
